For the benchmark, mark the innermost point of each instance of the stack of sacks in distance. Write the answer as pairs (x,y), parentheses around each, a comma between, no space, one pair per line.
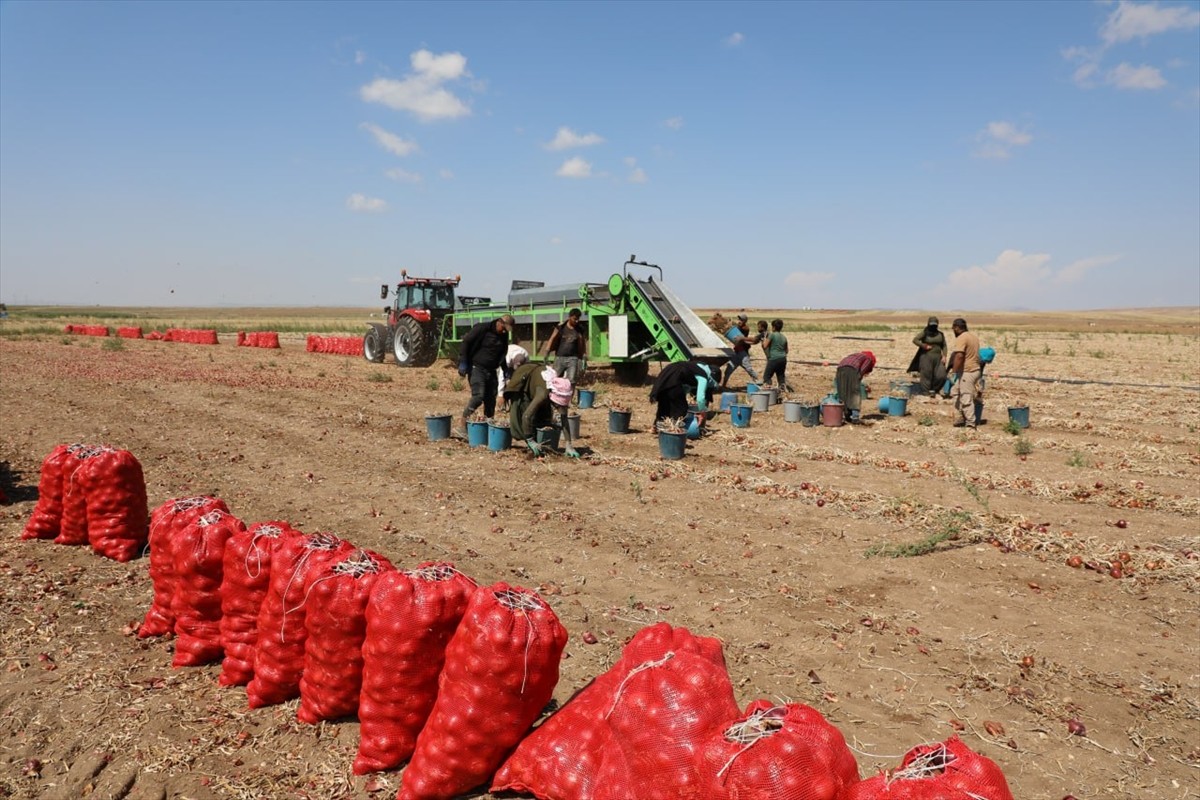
(339,345)
(267,339)
(189,336)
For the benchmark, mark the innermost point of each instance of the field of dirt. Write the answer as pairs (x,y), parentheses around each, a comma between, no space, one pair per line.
(908,579)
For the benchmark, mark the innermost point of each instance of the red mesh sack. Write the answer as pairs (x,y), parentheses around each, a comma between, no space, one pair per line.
(115,492)
(941,771)
(779,752)
(246,573)
(196,604)
(501,669)
(279,650)
(662,714)
(336,622)
(411,616)
(166,524)
(46,519)
(73,527)
(561,759)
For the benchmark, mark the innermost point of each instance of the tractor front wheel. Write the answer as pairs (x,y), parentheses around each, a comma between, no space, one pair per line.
(414,344)
(376,344)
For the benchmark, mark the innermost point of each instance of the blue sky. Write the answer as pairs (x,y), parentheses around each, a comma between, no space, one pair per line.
(942,155)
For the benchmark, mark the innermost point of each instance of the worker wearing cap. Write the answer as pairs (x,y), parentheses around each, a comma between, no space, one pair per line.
(930,360)
(966,369)
(536,394)
(483,351)
(737,334)
(568,345)
(848,382)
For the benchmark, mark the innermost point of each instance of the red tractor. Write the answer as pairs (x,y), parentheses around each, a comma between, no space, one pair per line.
(414,321)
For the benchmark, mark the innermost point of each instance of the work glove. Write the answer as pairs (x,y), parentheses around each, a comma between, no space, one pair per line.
(571,452)
(534,447)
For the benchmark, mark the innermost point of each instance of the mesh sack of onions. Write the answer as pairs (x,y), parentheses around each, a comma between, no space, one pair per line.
(46,519)
(336,623)
(411,616)
(561,759)
(167,522)
(946,770)
(73,527)
(779,752)
(114,489)
(247,571)
(199,568)
(501,669)
(279,649)
(662,714)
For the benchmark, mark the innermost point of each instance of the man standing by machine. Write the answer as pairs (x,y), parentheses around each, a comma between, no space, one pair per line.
(484,349)
(568,345)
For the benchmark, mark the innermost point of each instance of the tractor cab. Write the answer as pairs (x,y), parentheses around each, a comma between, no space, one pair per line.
(422,298)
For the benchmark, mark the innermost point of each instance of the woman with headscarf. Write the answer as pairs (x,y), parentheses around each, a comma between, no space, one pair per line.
(848,382)
(535,394)
(673,385)
(930,360)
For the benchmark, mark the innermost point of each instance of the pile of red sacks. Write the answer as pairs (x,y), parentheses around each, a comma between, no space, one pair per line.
(267,339)
(129,333)
(87,330)
(190,336)
(339,345)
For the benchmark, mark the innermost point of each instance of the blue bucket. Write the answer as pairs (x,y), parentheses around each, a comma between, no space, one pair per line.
(728,399)
(499,437)
(618,421)
(477,434)
(586,398)
(1019,415)
(672,445)
(739,415)
(883,404)
(751,388)
(438,427)
(897,406)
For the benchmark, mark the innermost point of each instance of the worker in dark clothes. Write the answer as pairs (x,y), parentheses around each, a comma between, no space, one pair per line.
(848,382)
(673,385)
(535,394)
(930,360)
(484,349)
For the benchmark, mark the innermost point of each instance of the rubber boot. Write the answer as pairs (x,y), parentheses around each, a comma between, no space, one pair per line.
(460,432)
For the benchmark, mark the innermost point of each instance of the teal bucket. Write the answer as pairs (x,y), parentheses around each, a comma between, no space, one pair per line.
(672,445)
(618,421)
(810,416)
(586,398)
(1019,415)
(897,406)
(739,415)
(883,404)
(477,434)
(438,427)
(751,388)
(728,399)
(499,437)
(549,436)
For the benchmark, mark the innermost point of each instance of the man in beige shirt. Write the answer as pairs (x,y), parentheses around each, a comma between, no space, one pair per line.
(965,366)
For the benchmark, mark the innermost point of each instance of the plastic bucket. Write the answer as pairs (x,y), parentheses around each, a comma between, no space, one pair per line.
(883,404)
(548,436)
(573,426)
(760,400)
(751,388)
(774,390)
(810,416)
(586,398)
(897,406)
(618,421)
(739,415)
(438,427)
(499,437)
(672,445)
(792,411)
(831,415)
(477,434)
(728,399)
(1019,415)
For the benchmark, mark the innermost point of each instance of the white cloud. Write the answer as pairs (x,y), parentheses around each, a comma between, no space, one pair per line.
(403,176)
(556,240)
(808,281)
(638,175)
(1014,278)
(1126,76)
(567,139)
(734,39)
(360,56)
(575,168)
(998,139)
(390,141)
(1142,20)
(362,204)
(421,92)
(674,123)
(445,174)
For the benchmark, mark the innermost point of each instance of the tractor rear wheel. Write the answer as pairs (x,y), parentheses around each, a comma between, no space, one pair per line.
(414,344)
(631,373)
(376,343)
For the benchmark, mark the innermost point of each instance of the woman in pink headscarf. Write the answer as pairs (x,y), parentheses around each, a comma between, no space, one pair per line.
(536,394)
